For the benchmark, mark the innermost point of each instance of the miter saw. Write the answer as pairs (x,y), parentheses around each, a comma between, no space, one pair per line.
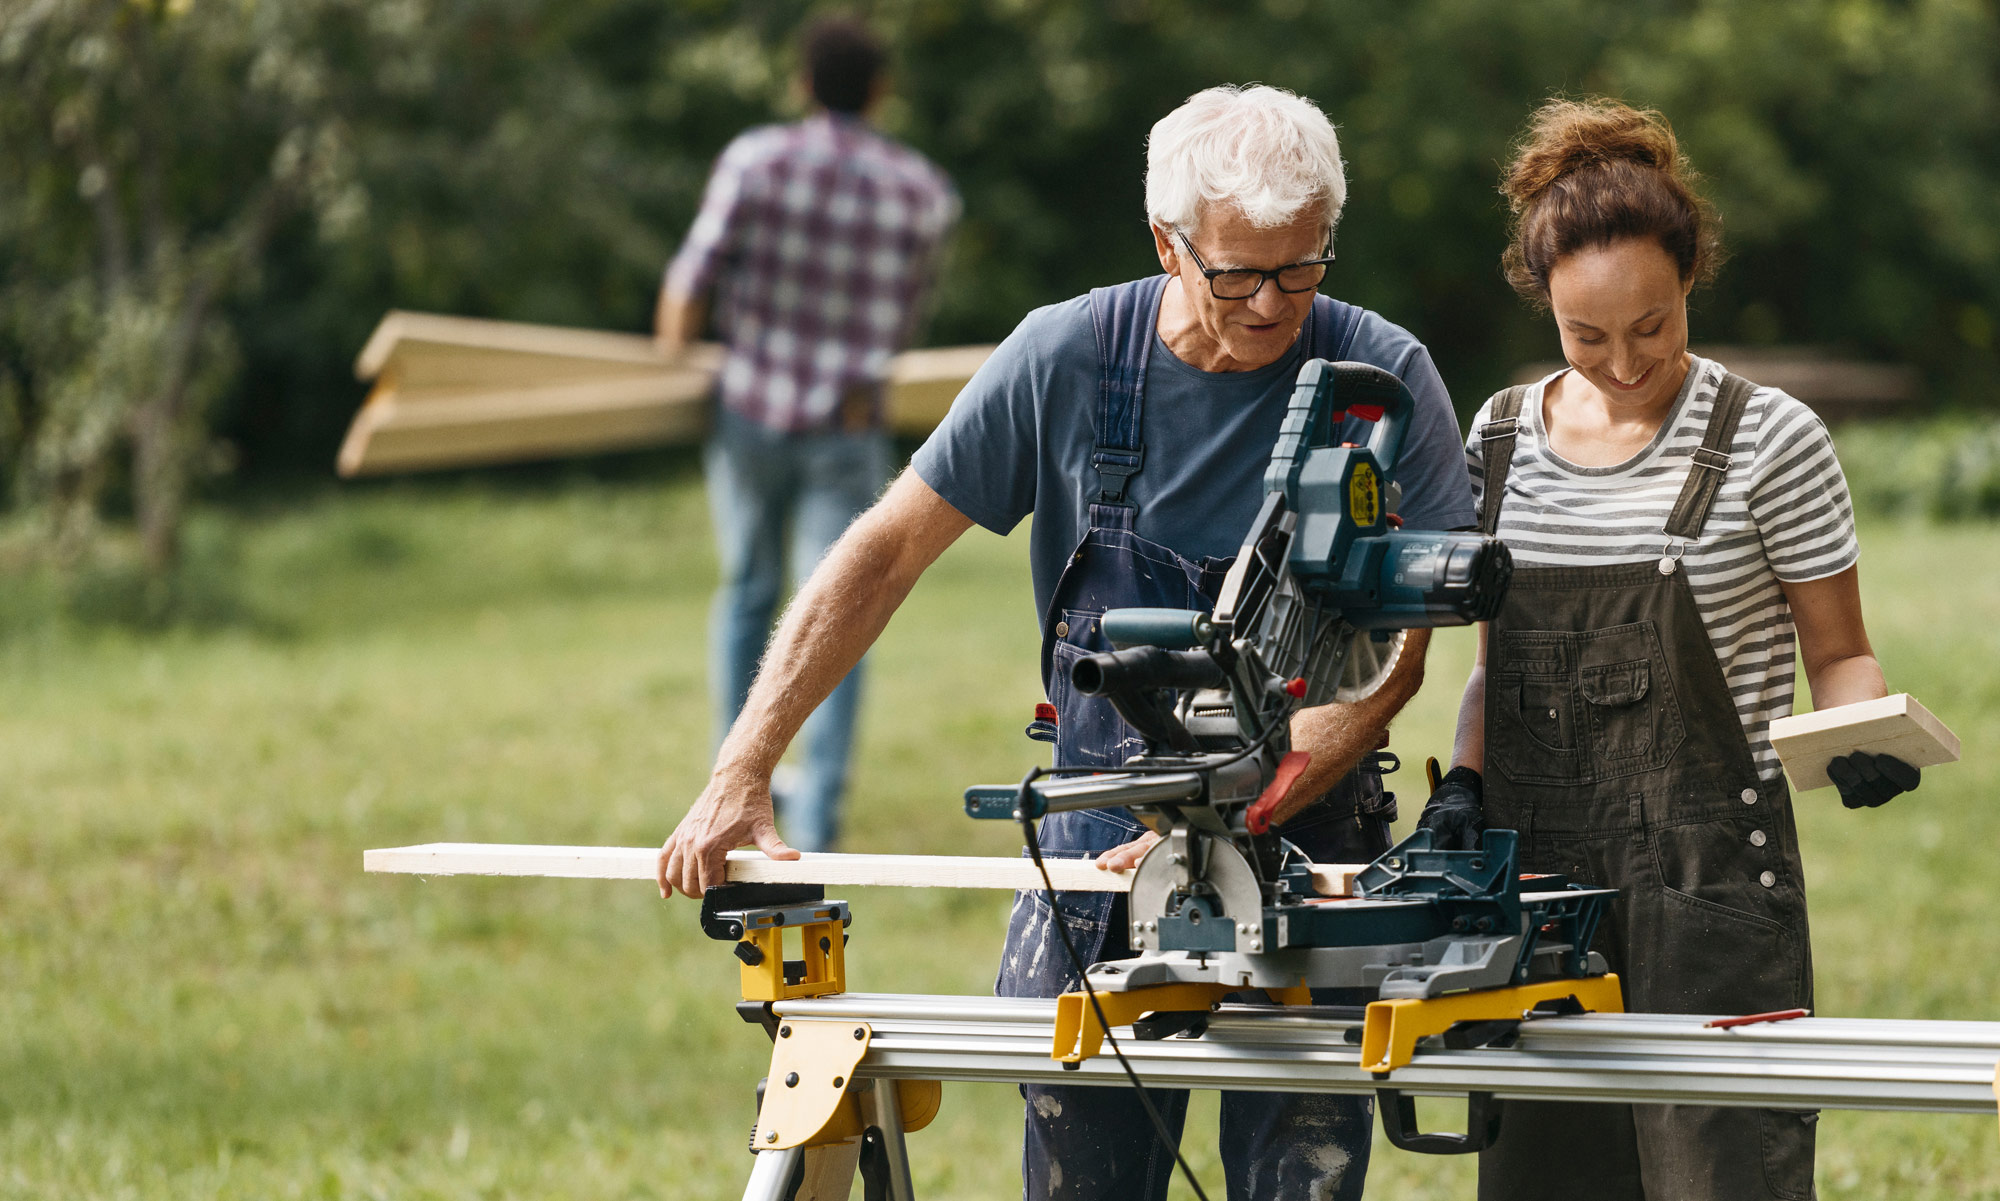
(1313,611)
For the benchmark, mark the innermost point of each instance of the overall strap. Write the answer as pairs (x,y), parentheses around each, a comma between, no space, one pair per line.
(1711,459)
(1330,332)
(1123,318)
(1497,453)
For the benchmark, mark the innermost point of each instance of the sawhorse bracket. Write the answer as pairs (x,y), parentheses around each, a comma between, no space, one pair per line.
(817,1123)
(810,1098)
(1391,1029)
(1079,1035)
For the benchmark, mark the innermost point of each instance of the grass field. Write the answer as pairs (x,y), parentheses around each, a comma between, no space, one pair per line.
(201,995)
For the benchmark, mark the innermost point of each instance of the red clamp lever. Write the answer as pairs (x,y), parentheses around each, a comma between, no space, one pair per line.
(1752,1019)
(1290,768)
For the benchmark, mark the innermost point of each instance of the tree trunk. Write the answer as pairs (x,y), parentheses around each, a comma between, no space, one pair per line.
(159,481)
(159,451)
(162,449)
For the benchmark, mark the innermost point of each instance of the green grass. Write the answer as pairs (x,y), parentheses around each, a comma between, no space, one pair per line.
(201,995)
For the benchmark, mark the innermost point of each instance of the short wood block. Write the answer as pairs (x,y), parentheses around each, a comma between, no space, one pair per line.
(1892,725)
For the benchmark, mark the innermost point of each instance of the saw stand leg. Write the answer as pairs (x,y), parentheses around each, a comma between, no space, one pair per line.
(827,1173)
(771,1176)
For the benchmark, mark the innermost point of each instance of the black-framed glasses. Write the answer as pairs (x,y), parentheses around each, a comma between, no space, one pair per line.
(1241,283)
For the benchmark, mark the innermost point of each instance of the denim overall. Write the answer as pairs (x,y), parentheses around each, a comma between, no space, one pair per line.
(1096,1142)
(1614,747)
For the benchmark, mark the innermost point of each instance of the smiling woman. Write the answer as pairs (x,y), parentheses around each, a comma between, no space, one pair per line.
(1674,527)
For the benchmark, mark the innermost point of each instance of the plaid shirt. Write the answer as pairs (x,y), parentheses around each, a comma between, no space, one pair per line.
(819,239)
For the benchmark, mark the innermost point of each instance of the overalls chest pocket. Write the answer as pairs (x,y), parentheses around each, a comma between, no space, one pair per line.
(1581,707)
(1633,717)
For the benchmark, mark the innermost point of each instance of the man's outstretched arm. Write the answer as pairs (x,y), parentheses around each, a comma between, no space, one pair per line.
(836,616)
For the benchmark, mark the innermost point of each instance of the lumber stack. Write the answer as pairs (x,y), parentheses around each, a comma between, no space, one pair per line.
(463,391)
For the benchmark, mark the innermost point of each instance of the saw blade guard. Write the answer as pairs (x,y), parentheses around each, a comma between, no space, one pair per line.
(1371,658)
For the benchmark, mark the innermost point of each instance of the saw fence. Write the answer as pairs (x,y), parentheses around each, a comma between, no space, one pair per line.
(853,1073)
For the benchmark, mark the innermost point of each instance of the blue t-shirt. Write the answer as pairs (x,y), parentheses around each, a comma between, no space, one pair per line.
(1018,440)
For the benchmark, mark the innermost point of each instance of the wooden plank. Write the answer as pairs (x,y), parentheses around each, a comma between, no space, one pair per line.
(393,434)
(424,367)
(422,370)
(638,863)
(400,326)
(908,871)
(518,392)
(923,383)
(1892,725)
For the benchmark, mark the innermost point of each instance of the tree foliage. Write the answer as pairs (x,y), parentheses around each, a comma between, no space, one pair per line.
(158,148)
(209,202)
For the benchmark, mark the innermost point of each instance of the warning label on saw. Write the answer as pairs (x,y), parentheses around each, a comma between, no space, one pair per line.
(1364,495)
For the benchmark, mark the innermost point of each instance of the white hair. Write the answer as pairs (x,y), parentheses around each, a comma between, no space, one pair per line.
(1266,151)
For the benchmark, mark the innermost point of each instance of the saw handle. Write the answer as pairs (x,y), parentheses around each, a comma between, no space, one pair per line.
(1399,1122)
(1173,629)
(1290,768)
(1325,394)
(1142,669)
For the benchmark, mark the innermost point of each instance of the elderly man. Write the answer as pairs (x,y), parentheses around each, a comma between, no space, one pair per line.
(1135,424)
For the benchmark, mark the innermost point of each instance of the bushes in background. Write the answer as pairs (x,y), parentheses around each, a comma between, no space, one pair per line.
(1947,469)
(537,161)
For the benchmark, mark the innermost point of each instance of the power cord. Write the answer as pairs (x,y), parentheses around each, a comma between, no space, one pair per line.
(1028,834)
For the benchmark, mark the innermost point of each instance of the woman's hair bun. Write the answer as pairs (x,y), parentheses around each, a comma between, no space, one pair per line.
(1565,135)
(1589,172)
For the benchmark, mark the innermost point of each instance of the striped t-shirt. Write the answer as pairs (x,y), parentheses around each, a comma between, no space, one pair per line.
(1782,514)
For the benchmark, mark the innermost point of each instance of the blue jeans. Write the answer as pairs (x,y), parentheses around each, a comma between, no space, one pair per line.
(769,493)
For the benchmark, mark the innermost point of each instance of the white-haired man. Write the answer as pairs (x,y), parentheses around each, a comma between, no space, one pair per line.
(1135,424)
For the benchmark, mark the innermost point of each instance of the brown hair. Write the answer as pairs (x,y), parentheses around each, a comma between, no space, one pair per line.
(843,60)
(1591,172)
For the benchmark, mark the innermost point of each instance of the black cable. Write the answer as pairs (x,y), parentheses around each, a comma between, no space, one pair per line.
(1021,811)
(1166,1137)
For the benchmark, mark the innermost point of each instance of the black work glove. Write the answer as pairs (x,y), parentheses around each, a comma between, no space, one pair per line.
(1453,814)
(1868,780)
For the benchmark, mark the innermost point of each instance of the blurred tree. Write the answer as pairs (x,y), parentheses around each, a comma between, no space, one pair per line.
(158,146)
(1854,149)
(198,185)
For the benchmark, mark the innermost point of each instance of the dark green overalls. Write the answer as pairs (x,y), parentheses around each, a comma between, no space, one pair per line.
(1614,747)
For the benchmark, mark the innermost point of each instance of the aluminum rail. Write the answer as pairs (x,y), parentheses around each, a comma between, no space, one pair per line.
(1805,1063)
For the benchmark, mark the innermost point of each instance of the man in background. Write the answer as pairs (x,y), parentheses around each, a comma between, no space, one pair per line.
(817,242)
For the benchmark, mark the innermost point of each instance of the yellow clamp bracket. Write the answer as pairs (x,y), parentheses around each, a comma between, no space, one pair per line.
(1079,1035)
(809,1099)
(825,955)
(1390,1031)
